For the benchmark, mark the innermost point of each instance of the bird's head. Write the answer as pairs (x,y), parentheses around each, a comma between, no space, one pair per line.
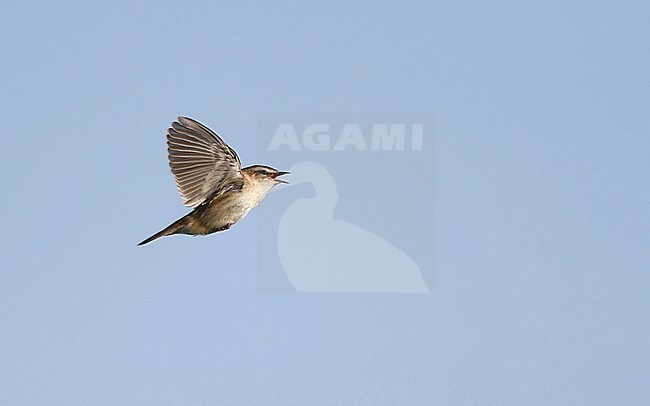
(264,175)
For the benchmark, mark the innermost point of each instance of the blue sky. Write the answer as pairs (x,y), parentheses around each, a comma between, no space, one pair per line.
(541,204)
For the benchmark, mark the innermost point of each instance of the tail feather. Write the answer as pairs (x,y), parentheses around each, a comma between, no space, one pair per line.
(174,228)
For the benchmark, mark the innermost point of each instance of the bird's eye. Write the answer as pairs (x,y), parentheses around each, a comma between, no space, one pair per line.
(265,173)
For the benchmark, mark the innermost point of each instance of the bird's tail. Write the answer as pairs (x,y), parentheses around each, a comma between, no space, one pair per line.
(174,228)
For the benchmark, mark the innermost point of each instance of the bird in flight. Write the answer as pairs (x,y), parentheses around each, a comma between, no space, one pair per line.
(210,179)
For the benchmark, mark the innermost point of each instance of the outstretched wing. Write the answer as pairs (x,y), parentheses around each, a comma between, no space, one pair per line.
(201,162)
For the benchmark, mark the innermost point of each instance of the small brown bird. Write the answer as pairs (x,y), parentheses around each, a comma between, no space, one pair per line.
(210,178)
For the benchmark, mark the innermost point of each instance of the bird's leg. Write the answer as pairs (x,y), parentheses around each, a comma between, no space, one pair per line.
(224,227)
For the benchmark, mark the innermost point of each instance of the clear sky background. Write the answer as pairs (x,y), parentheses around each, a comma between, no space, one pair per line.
(542,198)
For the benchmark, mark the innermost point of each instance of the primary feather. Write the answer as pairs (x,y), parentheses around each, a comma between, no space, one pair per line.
(203,165)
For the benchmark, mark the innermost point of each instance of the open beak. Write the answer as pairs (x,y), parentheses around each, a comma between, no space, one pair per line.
(275,177)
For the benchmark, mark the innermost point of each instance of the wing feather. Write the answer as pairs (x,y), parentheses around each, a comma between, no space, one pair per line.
(202,163)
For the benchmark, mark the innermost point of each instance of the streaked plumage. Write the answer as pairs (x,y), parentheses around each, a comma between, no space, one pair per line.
(210,179)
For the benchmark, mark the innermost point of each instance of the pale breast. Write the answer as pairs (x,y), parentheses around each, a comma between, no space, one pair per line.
(232,207)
